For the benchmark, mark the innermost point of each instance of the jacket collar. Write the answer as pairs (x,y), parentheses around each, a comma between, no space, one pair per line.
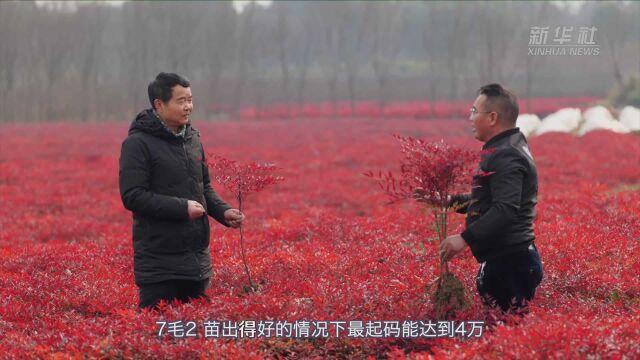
(148,122)
(181,132)
(505,134)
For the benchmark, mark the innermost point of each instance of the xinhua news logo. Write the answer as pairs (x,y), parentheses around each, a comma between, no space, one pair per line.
(563,41)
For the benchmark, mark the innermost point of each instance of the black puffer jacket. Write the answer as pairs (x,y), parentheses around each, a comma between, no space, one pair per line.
(502,204)
(159,172)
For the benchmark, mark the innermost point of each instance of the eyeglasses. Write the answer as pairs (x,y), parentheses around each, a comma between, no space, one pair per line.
(474,111)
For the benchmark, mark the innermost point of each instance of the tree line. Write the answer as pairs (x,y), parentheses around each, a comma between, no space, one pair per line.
(92,62)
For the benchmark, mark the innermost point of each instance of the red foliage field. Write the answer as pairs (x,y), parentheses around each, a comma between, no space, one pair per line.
(322,245)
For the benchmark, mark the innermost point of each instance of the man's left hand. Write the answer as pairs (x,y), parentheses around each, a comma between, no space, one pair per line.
(234,218)
(451,246)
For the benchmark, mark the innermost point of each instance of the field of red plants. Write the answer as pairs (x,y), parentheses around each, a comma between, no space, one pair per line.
(322,245)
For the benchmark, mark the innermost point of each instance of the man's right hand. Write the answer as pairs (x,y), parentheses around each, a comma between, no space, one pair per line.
(420,195)
(194,209)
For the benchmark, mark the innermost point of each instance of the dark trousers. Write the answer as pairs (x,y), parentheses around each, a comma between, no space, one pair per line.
(510,281)
(182,290)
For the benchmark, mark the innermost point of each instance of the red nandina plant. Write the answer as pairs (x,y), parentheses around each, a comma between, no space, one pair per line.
(431,172)
(242,180)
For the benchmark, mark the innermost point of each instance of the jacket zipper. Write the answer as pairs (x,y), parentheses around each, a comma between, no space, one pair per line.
(186,155)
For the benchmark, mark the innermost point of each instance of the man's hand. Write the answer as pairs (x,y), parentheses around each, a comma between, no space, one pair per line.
(195,209)
(420,195)
(234,218)
(451,246)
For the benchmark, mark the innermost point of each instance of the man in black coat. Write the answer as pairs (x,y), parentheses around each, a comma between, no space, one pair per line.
(164,182)
(501,207)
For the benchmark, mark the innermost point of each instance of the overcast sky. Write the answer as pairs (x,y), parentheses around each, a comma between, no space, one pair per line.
(239,5)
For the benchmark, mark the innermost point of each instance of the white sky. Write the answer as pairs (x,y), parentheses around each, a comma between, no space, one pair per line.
(239,5)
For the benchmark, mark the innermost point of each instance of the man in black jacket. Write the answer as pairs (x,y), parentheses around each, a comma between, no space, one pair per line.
(501,207)
(164,181)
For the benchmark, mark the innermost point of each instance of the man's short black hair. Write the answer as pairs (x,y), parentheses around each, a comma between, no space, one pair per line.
(161,87)
(501,100)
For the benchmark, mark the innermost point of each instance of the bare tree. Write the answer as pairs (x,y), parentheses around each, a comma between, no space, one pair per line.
(90,61)
(177,25)
(456,44)
(537,12)
(385,24)
(92,21)
(259,55)
(303,27)
(445,38)
(616,22)
(137,44)
(11,19)
(352,26)
(305,39)
(430,48)
(55,42)
(282,37)
(244,43)
(216,40)
(328,15)
(492,30)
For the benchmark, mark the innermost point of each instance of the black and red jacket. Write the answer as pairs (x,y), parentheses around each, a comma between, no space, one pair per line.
(501,206)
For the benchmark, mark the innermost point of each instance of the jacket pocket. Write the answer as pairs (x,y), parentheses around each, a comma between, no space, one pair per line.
(165,237)
(138,232)
(203,235)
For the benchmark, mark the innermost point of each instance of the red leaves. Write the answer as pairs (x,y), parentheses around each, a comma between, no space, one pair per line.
(324,246)
(242,179)
(433,171)
(437,168)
